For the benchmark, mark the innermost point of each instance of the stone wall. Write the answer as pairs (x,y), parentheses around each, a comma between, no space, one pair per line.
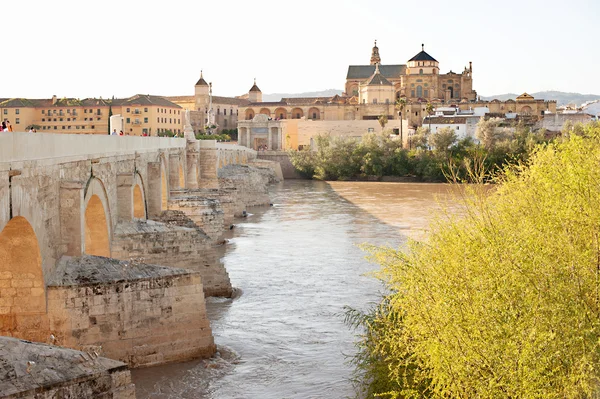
(174,241)
(29,370)
(206,213)
(251,182)
(555,122)
(285,165)
(140,314)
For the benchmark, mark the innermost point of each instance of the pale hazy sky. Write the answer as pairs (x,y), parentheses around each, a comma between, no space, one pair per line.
(75,48)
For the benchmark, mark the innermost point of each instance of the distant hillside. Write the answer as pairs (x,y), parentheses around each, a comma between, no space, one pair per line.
(323,93)
(561,98)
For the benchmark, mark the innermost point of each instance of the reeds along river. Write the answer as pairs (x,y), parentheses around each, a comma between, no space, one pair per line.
(296,265)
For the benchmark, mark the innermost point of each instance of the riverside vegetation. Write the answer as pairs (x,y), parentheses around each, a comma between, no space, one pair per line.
(431,158)
(501,301)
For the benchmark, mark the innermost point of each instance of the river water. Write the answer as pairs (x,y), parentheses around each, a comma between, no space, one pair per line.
(296,265)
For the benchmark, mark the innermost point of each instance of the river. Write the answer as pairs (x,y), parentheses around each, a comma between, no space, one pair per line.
(296,265)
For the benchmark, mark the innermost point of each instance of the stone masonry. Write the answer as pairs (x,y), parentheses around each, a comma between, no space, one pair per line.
(137,313)
(39,371)
(174,240)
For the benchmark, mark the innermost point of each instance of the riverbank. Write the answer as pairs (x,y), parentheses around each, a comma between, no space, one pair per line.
(297,264)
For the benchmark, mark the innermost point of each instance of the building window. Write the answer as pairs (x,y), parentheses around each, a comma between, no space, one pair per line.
(370,130)
(426,93)
(61,119)
(419,91)
(127,120)
(157,120)
(43,120)
(55,127)
(145,109)
(225,112)
(374,101)
(420,72)
(5,111)
(412,93)
(68,127)
(145,120)
(98,112)
(17,111)
(43,111)
(17,121)
(128,110)
(68,119)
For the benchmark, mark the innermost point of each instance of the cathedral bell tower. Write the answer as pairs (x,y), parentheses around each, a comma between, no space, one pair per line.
(375,58)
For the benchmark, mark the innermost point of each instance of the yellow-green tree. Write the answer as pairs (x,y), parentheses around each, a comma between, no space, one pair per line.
(503,300)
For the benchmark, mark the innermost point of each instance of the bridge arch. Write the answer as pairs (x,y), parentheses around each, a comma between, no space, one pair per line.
(24,298)
(97,219)
(139,198)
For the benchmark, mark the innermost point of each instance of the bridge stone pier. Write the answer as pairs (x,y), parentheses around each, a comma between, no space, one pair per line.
(108,243)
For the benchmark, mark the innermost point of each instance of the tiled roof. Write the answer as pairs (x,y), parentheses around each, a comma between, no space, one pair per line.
(201,81)
(304,100)
(181,98)
(446,120)
(229,100)
(363,72)
(377,79)
(267,104)
(146,99)
(422,56)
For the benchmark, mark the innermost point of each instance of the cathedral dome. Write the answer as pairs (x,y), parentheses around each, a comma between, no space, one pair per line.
(422,56)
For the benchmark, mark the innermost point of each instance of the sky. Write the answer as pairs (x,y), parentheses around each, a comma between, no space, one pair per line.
(81,49)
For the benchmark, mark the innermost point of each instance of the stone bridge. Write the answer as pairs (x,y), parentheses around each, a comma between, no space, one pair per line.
(84,222)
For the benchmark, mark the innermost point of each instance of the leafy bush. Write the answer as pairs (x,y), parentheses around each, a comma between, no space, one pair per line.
(502,301)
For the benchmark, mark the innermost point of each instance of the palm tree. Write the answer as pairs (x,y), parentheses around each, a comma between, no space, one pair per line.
(429,109)
(383,120)
(400,105)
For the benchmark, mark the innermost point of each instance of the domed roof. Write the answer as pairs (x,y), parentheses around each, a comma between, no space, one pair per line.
(201,81)
(423,56)
(377,79)
(254,87)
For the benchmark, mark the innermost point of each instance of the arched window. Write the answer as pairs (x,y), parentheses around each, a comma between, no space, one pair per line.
(426,93)
(419,91)
(420,72)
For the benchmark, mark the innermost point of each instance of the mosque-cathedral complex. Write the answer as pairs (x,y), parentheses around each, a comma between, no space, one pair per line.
(371,90)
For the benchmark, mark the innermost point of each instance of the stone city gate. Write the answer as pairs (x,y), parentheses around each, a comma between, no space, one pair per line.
(82,221)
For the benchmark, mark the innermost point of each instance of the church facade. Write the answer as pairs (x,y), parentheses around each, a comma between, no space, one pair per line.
(418,80)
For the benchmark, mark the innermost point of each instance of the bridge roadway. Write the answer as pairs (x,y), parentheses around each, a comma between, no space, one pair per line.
(67,199)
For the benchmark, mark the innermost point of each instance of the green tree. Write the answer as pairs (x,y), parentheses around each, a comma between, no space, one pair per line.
(383,120)
(487,131)
(400,105)
(443,139)
(429,109)
(503,299)
(109,115)
(420,139)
